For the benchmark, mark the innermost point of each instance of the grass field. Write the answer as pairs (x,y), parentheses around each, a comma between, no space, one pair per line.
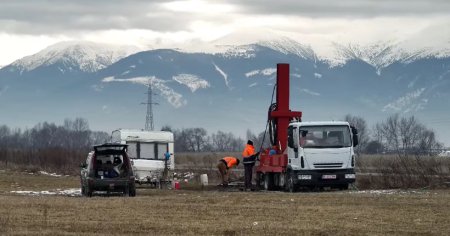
(183,212)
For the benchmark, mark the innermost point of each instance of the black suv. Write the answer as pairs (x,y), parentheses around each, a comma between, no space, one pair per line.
(108,168)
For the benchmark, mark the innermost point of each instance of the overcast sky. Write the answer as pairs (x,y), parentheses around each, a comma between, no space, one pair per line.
(29,26)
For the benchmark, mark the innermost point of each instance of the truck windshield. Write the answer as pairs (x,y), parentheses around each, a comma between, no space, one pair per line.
(325,136)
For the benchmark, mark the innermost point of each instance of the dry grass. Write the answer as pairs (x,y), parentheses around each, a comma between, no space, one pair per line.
(158,212)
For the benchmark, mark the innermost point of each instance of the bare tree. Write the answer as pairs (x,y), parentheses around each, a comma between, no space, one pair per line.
(406,135)
(363,134)
(222,141)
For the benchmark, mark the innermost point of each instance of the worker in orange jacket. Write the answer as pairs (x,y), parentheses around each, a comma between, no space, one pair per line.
(249,159)
(224,166)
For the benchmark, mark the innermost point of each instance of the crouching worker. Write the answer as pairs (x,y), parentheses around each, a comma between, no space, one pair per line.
(224,166)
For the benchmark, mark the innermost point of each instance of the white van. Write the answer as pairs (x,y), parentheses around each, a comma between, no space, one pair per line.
(147,151)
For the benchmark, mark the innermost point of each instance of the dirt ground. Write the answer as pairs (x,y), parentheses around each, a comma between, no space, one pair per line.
(39,204)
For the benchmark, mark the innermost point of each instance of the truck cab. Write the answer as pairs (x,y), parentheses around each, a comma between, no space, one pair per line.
(320,154)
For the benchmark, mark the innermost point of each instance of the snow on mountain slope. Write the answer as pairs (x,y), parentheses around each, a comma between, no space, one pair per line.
(224,75)
(263,72)
(83,56)
(378,55)
(411,101)
(288,46)
(174,98)
(193,82)
(242,51)
(381,55)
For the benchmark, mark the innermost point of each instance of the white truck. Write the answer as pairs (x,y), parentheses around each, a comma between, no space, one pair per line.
(147,150)
(321,154)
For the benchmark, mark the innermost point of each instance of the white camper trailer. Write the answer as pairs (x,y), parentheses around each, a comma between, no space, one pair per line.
(147,151)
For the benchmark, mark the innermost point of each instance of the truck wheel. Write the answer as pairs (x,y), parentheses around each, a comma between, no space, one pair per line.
(268,181)
(290,186)
(259,178)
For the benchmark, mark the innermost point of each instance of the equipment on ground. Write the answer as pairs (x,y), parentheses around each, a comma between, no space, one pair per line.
(307,154)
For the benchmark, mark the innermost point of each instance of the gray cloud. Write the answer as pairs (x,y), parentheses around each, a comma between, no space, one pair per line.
(34,17)
(63,16)
(345,8)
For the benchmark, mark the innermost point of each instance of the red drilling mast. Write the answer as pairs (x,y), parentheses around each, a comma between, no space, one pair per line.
(271,166)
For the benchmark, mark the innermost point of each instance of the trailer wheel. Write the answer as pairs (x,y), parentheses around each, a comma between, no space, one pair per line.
(268,181)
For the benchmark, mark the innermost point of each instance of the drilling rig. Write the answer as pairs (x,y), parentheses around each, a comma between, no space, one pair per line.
(307,154)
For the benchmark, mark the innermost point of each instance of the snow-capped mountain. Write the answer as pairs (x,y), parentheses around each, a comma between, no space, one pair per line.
(74,56)
(228,90)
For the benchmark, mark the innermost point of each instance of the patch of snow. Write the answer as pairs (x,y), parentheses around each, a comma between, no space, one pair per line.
(224,75)
(174,98)
(253,85)
(263,72)
(251,73)
(317,75)
(307,91)
(387,192)
(268,71)
(406,103)
(193,82)
(73,192)
(296,75)
(133,66)
(49,174)
(125,72)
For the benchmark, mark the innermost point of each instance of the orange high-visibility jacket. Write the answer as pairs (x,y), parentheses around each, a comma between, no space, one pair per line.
(248,151)
(231,161)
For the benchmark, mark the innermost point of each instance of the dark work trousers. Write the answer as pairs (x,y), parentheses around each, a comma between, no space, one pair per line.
(248,174)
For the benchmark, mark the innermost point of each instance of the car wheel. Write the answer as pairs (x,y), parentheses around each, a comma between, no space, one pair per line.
(88,192)
(343,187)
(132,192)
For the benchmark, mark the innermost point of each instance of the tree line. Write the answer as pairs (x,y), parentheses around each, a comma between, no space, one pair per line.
(49,146)
(61,147)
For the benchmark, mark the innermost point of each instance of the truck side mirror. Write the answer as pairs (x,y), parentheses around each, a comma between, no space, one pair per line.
(290,137)
(354,136)
(295,139)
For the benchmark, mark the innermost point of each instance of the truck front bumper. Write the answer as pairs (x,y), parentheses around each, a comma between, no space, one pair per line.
(323,178)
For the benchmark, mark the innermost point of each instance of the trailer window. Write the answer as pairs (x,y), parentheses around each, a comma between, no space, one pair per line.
(146,150)
(325,136)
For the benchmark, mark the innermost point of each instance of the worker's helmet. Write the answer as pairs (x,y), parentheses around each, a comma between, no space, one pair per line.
(250,142)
